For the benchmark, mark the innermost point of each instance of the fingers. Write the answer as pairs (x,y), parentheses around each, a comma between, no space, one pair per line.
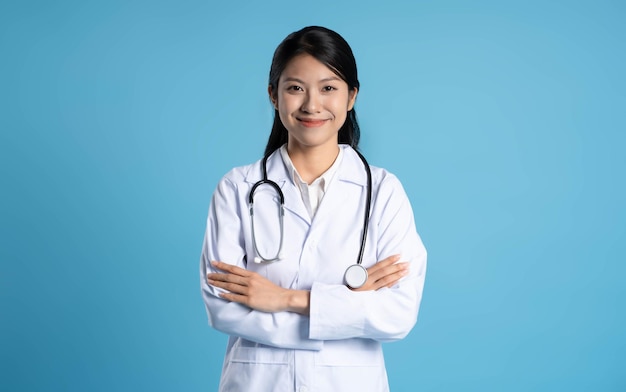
(391,279)
(234,297)
(227,278)
(232,269)
(387,272)
(380,273)
(237,287)
(233,279)
(231,287)
(383,263)
(239,281)
(388,269)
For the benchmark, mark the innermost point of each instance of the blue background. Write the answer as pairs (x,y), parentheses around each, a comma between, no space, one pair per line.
(504,121)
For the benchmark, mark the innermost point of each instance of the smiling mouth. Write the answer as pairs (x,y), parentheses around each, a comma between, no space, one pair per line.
(311,123)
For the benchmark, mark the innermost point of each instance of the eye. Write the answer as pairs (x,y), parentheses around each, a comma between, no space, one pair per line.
(295,88)
(328,89)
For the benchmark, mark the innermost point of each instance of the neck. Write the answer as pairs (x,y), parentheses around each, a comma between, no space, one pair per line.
(312,162)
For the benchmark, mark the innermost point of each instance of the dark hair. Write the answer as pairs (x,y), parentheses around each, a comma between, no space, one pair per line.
(330,49)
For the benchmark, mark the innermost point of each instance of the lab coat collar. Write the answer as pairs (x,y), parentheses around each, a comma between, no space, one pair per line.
(276,170)
(351,169)
(350,172)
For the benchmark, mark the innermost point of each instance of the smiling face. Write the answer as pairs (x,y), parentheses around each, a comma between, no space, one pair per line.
(312,102)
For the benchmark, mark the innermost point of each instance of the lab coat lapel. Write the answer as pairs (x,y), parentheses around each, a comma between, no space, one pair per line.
(350,178)
(293,200)
(335,198)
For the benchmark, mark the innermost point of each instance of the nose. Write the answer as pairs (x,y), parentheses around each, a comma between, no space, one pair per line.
(312,102)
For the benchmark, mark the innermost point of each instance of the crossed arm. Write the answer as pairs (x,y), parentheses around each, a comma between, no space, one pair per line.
(258,293)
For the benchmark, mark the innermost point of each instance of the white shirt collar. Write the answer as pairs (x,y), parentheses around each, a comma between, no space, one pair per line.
(324,180)
(313,193)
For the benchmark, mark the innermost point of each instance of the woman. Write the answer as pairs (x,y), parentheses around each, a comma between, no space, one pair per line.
(294,323)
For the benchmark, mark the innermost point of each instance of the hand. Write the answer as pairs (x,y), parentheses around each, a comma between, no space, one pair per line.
(256,292)
(385,273)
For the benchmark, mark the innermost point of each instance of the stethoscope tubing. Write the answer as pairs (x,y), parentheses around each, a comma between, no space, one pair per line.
(279,192)
(368,206)
(281,217)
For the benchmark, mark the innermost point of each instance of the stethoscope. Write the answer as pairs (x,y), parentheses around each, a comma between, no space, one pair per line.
(355,275)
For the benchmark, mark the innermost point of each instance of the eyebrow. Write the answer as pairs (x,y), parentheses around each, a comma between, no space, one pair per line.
(330,79)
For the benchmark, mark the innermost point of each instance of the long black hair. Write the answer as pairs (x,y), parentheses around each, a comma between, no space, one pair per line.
(330,49)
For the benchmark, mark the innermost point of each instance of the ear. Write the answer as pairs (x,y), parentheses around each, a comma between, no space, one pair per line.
(352,98)
(273,97)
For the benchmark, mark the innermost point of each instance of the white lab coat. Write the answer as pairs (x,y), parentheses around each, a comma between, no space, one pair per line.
(337,347)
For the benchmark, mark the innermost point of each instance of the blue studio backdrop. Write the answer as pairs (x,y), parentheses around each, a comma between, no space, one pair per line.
(504,120)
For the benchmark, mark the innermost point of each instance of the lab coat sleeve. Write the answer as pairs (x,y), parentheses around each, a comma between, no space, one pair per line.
(387,314)
(224,241)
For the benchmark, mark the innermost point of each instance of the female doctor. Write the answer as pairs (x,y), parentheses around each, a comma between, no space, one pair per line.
(281,280)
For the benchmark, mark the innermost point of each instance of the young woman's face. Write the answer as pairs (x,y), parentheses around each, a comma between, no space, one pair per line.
(312,102)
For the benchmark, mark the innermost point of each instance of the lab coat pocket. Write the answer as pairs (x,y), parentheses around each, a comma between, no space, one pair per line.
(256,369)
(362,358)
(265,355)
(350,369)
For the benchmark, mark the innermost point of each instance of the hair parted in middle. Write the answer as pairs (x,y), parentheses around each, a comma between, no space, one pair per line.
(329,48)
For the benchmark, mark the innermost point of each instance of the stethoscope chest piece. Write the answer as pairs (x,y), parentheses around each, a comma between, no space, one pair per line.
(355,276)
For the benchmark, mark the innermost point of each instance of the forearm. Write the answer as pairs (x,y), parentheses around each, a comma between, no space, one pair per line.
(284,329)
(280,328)
(387,314)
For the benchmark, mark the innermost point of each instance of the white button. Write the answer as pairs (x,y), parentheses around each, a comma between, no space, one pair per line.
(304,389)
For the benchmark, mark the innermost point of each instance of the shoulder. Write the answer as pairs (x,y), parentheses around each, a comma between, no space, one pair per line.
(384,177)
(234,183)
(387,187)
(240,174)
(381,177)
(390,200)
(241,178)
